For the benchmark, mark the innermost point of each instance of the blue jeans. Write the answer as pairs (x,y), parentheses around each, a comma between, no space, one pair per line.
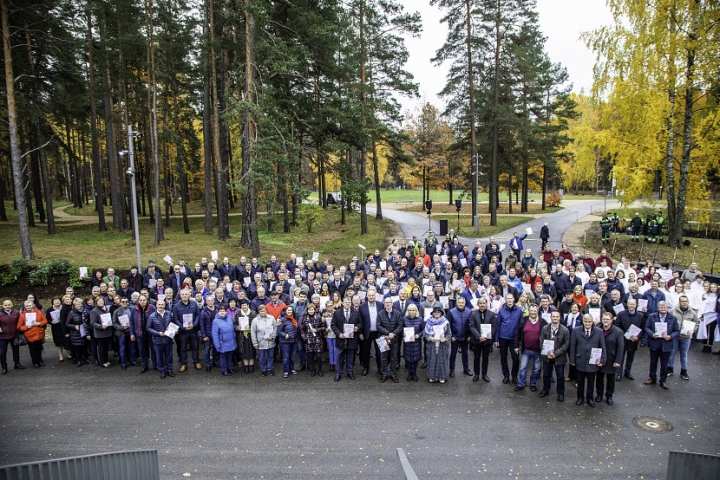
(288,356)
(126,349)
(226,361)
(266,359)
(681,345)
(300,348)
(146,351)
(206,351)
(505,345)
(527,356)
(463,346)
(164,356)
(332,352)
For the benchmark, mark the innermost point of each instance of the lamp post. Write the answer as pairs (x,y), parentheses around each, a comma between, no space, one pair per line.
(476,174)
(131,173)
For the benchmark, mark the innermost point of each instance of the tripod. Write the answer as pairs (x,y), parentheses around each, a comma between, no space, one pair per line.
(429,224)
(458,230)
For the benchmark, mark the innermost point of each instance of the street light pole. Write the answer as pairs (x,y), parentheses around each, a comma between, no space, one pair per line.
(476,173)
(131,172)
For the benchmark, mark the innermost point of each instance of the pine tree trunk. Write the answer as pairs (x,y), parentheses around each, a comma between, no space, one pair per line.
(376,175)
(152,103)
(471,95)
(207,128)
(20,200)
(496,100)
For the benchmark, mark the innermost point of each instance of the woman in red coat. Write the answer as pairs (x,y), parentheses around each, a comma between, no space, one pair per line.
(32,323)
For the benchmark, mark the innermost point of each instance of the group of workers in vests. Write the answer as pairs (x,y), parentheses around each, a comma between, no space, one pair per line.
(653,228)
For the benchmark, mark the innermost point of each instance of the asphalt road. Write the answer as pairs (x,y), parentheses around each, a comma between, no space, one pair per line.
(558,222)
(249,427)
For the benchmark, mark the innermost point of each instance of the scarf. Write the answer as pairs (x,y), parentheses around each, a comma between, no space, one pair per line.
(292,319)
(432,323)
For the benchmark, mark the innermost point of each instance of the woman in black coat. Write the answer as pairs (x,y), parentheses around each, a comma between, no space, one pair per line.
(412,350)
(56,326)
(78,324)
(614,344)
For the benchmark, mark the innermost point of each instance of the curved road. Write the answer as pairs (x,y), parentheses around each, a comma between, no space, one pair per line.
(558,222)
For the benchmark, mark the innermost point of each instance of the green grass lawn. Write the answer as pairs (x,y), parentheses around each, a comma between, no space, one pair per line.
(83,245)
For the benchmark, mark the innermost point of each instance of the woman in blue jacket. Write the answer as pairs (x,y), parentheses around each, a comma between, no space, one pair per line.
(224,339)
(287,333)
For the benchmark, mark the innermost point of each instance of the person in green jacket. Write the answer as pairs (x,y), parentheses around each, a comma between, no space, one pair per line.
(615,221)
(636,225)
(661,225)
(605,225)
(651,235)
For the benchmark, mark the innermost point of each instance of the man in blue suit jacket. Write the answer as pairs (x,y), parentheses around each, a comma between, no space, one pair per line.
(516,244)
(660,345)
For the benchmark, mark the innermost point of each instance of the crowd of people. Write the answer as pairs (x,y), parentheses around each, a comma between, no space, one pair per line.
(565,316)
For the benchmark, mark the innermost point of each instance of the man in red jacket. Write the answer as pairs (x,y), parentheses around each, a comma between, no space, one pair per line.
(8,329)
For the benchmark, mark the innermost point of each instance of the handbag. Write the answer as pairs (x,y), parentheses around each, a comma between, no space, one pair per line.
(20,340)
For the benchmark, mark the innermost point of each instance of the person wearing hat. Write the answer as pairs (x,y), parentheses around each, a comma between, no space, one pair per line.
(605,225)
(134,279)
(544,235)
(438,334)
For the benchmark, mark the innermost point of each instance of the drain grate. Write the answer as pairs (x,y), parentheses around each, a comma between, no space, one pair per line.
(653,425)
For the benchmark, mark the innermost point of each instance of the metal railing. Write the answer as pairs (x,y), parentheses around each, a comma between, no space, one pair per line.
(128,465)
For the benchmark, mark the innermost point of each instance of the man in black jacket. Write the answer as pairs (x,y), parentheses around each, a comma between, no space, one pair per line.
(390,326)
(481,340)
(346,344)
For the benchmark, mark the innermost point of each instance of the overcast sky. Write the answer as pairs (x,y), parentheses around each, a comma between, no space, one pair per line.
(561,21)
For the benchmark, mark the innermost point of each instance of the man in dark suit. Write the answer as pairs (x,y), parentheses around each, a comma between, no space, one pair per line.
(175,279)
(555,360)
(506,288)
(369,311)
(660,344)
(481,344)
(346,345)
(582,341)
(390,326)
(631,316)
(337,285)
(614,344)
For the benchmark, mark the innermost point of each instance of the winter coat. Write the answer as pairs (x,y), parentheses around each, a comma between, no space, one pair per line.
(223,334)
(562,342)
(412,351)
(75,319)
(207,317)
(313,341)
(478,318)
(96,323)
(138,323)
(257,332)
(119,329)
(661,344)
(287,332)
(157,323)
(8,324)
(34,333)
(614,345)
(581,348)
(460,322)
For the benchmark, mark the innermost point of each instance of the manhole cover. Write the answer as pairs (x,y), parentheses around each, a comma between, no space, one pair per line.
(653,425)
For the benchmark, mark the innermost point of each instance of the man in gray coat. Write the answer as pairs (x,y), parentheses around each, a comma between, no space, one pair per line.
(556,358)
(390,326)
(614,344)
(582,341)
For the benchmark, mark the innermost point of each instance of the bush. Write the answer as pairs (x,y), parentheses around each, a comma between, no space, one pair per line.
(39,276)
(75,280)
(19,266)
(7,279)
(311,216)
(59,266)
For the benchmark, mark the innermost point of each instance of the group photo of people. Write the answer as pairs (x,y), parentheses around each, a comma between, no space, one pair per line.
(417,308)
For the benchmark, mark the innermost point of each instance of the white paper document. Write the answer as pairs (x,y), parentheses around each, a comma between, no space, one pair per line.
(443,258)
(55,315)
(300,261)
(502,247)
(529,231)
(269,332)
(546,316)
(439,332)
(349,330)
(380,281)
(633,331)
(124,320)
(688,327)
(244,322)
(588,293)
(642,304)
(171,330)
(246,281)
(168,259)
(527,287)
(547,347)
(463,262)
(660,328)
(618,308)
(382,344)
(83,272)
(595,355)
(409,334)
(83,331)
(316,256)
(383,265)
(595,314)
(161,296)
(445,300)
(187,320)
(214,255)
(486,330)
(106,320)
(30,319)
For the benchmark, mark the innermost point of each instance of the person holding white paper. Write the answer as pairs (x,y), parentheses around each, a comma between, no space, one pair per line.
(186,315)
(630,317)
(157,324)
(57,325)
(34,329)
(582,341)
(224,339)
(556,358)
(483,328)
(122,332)
(102,332)
(528,346)
(390,326)
(688,323)
(437,332)
(516,243)
(614,346)
(346,320)
(660,346)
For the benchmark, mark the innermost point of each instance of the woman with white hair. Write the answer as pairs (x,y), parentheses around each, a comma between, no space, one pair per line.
(32,324)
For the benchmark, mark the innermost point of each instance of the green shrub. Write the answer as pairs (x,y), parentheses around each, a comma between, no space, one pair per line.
(39,276)
(19,266)
(74,280)
(310,216)
(59,266)
(8,278)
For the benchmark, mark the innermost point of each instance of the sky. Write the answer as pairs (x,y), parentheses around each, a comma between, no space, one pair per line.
(561,21)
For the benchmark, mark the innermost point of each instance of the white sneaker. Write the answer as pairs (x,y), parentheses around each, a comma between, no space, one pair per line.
(442,380)
(431,380)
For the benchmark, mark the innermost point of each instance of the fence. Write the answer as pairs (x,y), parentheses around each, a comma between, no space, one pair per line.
(128,465)
(697,466)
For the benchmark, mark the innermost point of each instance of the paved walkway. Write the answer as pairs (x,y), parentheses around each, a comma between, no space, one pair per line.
(558,222)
